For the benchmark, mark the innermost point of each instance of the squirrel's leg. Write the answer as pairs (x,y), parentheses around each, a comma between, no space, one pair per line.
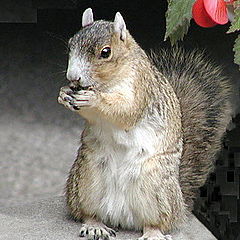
(79,184)
(93,229)
(163,203)
(152,233)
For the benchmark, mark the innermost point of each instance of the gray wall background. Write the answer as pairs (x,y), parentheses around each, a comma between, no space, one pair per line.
(38,137)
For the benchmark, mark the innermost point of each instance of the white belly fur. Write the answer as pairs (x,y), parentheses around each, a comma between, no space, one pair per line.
(122,154)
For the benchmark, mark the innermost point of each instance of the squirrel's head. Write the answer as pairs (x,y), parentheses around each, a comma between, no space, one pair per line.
(99,51)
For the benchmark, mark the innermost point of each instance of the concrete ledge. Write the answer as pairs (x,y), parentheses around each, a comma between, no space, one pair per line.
(47,220)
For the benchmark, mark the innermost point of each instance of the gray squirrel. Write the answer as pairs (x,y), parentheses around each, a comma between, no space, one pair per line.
(154,124)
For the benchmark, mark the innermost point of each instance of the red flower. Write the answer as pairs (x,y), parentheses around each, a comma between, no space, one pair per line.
(208,13)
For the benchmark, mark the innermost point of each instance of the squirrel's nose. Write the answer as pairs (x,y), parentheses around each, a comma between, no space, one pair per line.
(73,71)
(75,79)
(72,76)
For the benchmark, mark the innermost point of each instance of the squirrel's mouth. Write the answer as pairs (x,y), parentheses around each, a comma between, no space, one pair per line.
(75,86)
(79,88)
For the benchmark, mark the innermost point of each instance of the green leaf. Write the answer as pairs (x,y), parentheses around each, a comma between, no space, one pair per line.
(179,32)
(236,49)
(178,17)
(235,25)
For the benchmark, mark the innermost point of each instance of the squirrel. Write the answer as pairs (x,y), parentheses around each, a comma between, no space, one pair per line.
(154,125)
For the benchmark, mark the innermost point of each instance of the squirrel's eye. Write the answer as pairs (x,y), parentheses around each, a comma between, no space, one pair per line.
(106,52)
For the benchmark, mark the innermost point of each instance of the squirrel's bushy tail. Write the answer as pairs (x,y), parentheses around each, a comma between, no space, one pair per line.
(204,95)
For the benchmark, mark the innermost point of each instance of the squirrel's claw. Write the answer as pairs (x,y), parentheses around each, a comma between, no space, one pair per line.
(96,232)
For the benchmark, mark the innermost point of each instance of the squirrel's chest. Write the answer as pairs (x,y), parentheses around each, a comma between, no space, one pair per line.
(121,153)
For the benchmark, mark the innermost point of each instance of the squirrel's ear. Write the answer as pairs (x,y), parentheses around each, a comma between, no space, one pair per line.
(87,17)
(120,26)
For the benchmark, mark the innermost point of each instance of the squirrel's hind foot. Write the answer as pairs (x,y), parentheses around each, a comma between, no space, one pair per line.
(150,233)
(96,231)
(163,237)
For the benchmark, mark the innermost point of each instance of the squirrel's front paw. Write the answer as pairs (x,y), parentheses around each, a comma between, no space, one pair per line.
(74,100)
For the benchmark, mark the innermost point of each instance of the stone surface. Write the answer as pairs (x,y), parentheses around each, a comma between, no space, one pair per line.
(47,219)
